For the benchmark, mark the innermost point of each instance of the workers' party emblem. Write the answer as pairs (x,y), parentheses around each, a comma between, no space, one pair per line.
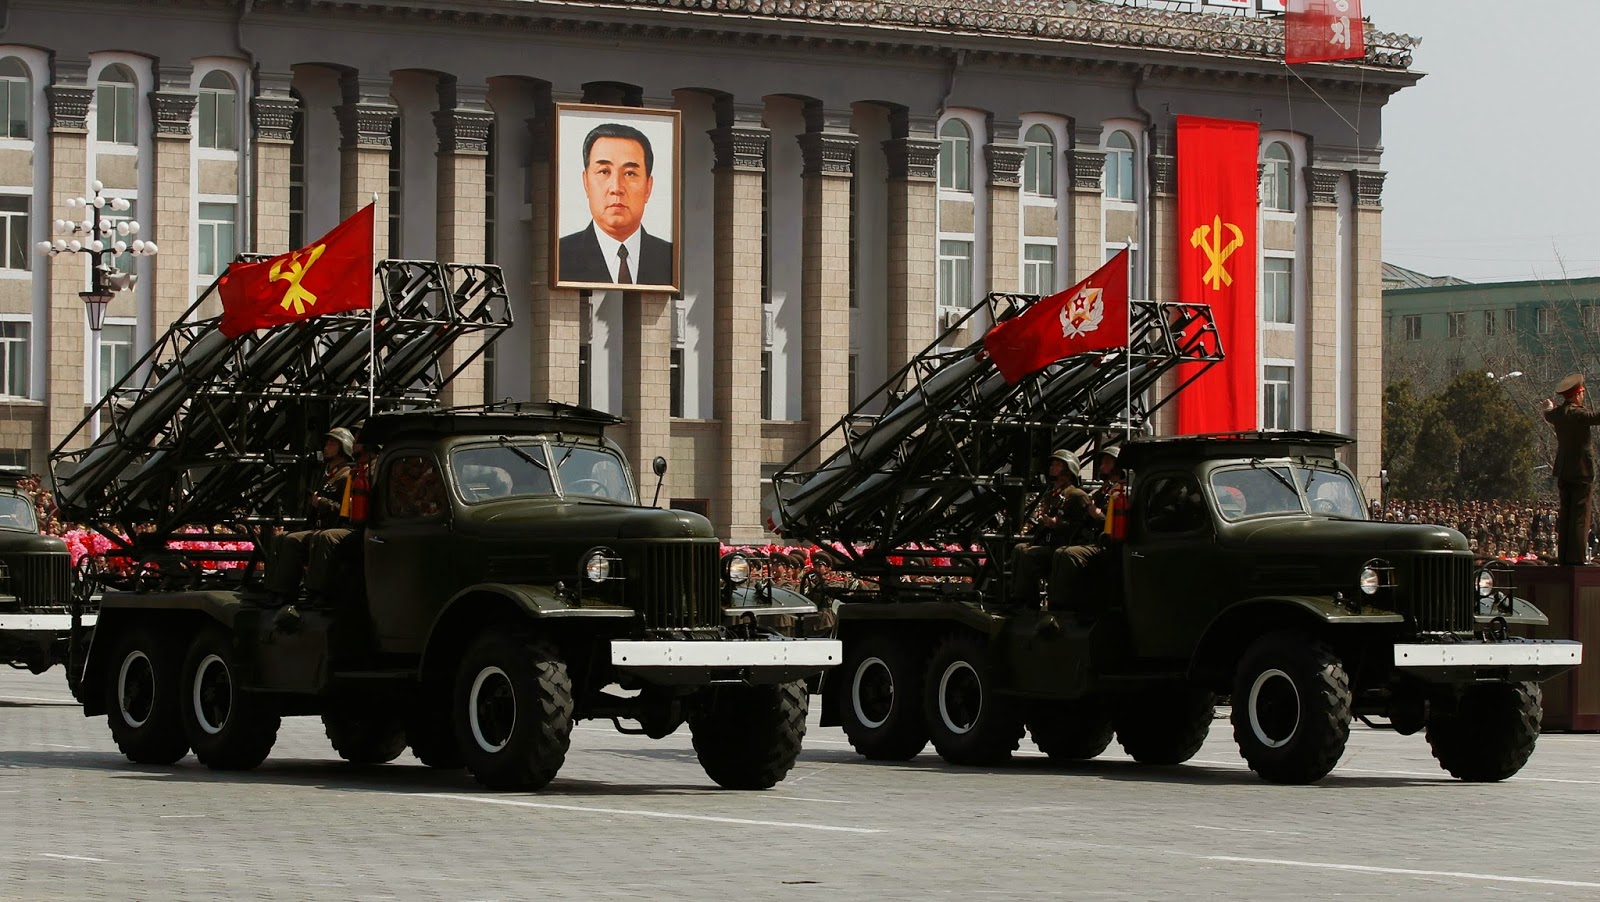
(1082,313)
(296,296)
(1208,238)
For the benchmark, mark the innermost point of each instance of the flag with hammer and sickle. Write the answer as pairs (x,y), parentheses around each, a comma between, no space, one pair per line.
(331,275)
(1217,258)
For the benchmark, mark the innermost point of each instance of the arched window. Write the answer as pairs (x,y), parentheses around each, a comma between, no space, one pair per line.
(1039,162)
(116,116)
(218,111)
(955,156)
(1277,189)
(1119,166)
(14,98)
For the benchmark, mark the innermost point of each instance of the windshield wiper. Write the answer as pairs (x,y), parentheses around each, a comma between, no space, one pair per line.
(1288,483)
(518,450)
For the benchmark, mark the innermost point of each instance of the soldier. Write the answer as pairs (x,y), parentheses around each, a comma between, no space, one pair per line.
(330,523)
(1062,531)
(1574,468)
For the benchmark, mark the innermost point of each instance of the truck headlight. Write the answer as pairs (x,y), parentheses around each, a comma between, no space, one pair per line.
(597,568)
(738,569)
(1484,580)
(1369,581)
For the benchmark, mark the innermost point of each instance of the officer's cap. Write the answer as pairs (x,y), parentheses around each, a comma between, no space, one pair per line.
(1570,384)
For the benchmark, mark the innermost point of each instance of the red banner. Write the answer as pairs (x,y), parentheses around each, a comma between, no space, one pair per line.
(1319,30)
(1090,316)
(332,275)
(1217,249)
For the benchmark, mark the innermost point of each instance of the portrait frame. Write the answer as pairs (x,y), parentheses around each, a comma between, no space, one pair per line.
(576,260)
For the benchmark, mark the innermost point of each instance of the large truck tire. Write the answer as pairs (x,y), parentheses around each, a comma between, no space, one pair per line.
(512,711)
(142,697)
(1291,708)
(361,738)
(968,722)
(1491,734)
(1075,730)
(882,699)
(228,728)
(1165,726)
(748,737)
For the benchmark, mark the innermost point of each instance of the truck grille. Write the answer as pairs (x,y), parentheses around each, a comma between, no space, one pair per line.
(675,586)
(1439,593)
(38,580)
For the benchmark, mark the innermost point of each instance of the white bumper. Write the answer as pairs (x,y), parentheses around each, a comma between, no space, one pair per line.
(1549,654)
(688,663)
(40,622)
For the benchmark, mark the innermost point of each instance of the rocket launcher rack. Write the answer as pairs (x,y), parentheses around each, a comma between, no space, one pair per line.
(944,470)
(207,430)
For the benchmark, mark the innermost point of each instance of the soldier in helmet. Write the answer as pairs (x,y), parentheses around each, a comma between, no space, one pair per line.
(1574,467)
(1061,533)
(329,522)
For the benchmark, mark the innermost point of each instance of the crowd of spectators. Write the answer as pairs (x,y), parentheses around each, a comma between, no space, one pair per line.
(1509,530)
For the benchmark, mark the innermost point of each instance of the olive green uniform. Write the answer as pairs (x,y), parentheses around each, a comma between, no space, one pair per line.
(1574,472)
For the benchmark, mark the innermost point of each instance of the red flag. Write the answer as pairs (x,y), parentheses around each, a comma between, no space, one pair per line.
(1318,30)
(1217,196)
(331,275)
(1090,316)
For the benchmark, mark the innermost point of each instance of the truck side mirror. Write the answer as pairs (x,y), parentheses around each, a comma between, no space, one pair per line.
(659,465)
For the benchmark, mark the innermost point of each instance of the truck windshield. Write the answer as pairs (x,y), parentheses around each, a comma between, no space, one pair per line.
(511,469)
(1330,492)
(16,513)
(592,472)
(1264,489)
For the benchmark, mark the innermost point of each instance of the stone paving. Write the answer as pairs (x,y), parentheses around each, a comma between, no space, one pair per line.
(630,818)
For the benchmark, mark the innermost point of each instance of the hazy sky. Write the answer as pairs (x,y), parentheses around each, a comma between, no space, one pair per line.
(1484,155)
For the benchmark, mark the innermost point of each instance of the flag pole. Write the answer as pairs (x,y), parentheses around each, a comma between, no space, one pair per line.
(372,331)
(1127,351)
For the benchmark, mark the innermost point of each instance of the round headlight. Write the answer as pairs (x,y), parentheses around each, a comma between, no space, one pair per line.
(1485,582)
(738,568)
(1369,581)
(597,568)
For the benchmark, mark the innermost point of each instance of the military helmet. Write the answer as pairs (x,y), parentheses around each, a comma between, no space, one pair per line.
(1074,469)
(347,442)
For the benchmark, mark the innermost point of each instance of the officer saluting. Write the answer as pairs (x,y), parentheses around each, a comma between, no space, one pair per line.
(1574,468)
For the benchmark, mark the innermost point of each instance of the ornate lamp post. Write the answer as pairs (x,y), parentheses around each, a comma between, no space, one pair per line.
(103,241)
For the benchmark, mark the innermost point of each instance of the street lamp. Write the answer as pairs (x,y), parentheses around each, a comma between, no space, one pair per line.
(1511,375)
(103,240)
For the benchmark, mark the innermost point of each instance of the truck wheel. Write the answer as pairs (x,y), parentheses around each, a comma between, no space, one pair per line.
(748,737)
(1491,733)
(513,712)
(1291,709)
(141,692)
(1074,730)
(1165,726)
(361,738)
(882,700)
(229,729)
(968,723)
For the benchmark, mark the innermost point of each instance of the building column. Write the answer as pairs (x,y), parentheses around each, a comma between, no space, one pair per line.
(1005,214)
(913,158)
(1162,257)
(1367,403)
(1087,200)
(740,150)
(554,314)
(828,165)
(272,119)
(646,379)
(1321,377)
(172,111)
(365,118)
(463,121)
(63,344)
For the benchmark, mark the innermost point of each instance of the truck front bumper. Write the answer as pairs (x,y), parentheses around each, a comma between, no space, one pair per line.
(1512,659)
(687,663)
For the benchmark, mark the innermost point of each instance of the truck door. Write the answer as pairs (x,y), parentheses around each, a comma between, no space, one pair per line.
(409,570)
(1168,559)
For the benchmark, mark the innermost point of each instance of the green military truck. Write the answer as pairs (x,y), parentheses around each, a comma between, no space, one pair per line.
(1249,573)
(508,582)
(39,606)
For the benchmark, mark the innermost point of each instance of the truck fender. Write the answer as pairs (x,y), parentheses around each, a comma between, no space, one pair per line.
(1240,623)
(471,609)
(184,612)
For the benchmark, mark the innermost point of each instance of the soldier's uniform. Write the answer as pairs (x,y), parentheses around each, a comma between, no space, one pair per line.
(1063,535)
(1574,469)
(330,523)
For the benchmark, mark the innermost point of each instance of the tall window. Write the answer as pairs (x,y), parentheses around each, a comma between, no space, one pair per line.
(491,390)
(116,354)
(217,244)
(14,336)
(1511,320)
(1277,290)
(955,156)
(115,114)
(489,236)
(766,228)
(675,383)
(852,383)
(14,232)
(1277,398)
(1545,321)
(1119,166)
(1591,318)
(396,196)
(297,174)
(1039,162)
(15,98)
(218,112)
(1455,324)
(585,375)
(855,226)
(1277,189)
(1490,322)
(1413,327)
(1039,269)
(124,261)
(766,385)
(955,273)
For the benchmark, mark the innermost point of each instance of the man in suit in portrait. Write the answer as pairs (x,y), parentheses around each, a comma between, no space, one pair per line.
(618,176)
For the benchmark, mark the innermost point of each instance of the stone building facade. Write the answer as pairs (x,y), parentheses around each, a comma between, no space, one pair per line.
(853,173)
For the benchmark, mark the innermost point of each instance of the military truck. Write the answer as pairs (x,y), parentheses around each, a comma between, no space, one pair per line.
(508,581)
(1249,573)
(40,611)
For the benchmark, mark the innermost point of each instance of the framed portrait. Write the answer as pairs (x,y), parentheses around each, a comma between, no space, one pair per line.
(616,199)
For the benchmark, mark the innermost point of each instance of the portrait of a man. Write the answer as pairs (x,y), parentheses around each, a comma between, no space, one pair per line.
(618,226)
